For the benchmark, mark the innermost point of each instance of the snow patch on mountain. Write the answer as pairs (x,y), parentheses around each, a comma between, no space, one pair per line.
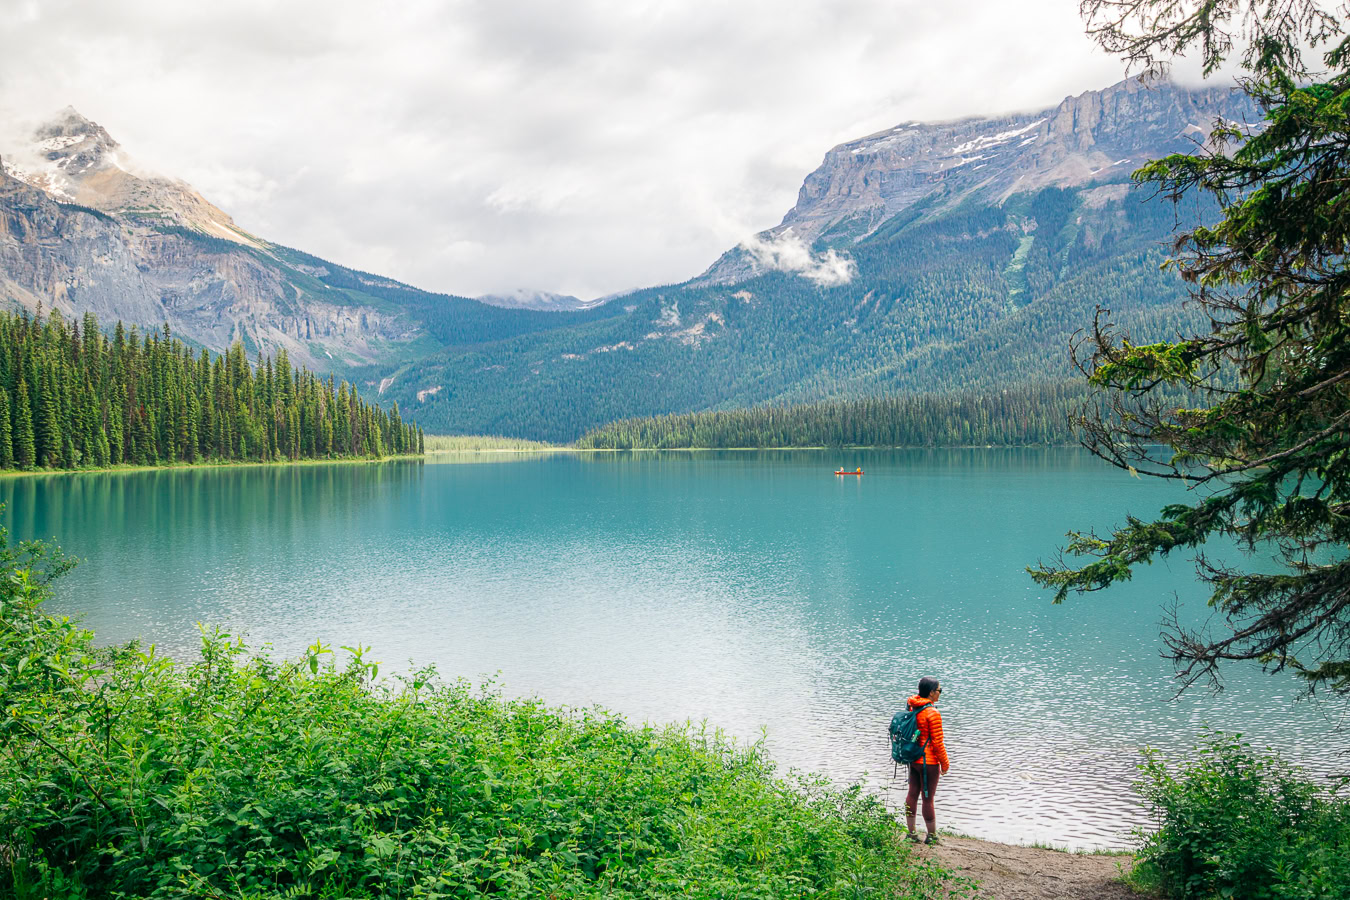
(984,142)
(523,298)
(74,160)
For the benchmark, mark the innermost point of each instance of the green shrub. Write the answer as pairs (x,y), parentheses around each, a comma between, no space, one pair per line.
(1232,823)
(123,775)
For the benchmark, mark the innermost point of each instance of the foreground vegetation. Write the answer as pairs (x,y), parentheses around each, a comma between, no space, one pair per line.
(1263,443)
(72,398)
(123,775)
(1026,416)
(1233,823)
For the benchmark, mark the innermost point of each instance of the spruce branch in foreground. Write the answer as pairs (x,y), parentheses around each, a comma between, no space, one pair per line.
(1266,446)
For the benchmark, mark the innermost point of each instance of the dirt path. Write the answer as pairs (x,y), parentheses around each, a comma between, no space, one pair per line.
(1007,872)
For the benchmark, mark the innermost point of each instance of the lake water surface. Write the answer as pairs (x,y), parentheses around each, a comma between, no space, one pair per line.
(756,591)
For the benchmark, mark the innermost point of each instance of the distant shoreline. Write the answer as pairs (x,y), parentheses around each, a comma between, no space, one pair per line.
(567,449)
(488,451)
(222,464)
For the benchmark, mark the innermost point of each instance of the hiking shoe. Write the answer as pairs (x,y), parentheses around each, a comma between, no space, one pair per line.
(931,839)
(913,837)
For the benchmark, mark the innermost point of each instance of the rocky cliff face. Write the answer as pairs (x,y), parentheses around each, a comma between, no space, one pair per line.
(69,259)
(1098,137)
(82,230)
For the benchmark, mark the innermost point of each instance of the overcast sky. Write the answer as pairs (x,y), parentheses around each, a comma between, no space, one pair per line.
(472,146)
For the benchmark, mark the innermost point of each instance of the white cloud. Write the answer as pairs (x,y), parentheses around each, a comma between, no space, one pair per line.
(786,252)
(474,146)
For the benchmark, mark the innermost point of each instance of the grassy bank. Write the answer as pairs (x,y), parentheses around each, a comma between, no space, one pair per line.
(482,443)
(242,776)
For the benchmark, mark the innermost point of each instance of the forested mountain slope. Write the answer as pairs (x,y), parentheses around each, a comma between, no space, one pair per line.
(981,297)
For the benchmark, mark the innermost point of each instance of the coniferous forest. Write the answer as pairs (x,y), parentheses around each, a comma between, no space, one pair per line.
(1026,416)
(71,397)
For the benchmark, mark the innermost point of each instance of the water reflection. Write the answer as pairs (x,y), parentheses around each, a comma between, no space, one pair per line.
(164,549)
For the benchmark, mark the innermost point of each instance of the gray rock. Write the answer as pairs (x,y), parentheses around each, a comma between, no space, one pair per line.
(1098,136)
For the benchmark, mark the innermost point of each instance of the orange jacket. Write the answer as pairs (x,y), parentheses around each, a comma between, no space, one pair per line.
(930,732)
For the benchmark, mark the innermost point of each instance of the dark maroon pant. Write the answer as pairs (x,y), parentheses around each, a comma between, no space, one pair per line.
(918,778)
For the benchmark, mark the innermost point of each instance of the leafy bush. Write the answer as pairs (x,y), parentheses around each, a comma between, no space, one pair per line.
(1233,823)
(123,775)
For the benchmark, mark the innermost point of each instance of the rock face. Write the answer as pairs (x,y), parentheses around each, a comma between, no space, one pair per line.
(70,260)
(82,230)
(1095,137)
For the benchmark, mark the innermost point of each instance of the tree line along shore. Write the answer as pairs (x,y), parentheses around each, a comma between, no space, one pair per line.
(1028,415)
(72,397)
(1034,415)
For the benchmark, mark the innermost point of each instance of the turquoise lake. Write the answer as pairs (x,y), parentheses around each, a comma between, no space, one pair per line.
(755,591)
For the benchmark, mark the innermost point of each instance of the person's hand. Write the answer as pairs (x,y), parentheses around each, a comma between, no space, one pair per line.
(945,769)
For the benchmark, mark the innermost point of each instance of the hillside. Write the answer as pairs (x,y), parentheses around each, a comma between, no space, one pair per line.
(980,297)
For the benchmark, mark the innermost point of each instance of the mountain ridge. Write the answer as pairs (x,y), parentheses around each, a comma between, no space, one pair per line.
(524,298)
(926,257)
(1078,142)
(937,278)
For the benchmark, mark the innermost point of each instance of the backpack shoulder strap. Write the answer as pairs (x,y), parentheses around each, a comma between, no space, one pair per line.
(923,709)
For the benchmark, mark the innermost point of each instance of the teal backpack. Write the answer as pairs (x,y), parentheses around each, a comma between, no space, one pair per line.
(906,747)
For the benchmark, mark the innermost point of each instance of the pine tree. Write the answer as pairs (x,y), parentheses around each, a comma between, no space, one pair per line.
(25,445)
(6,437)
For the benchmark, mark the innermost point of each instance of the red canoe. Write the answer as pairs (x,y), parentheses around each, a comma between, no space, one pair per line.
(842,472)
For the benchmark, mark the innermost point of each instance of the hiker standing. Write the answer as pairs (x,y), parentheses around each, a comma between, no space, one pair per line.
(923,772)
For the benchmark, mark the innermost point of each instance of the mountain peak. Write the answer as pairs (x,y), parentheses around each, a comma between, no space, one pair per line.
(74,145)
(75,160)
(65,156)
(68,121)
(1096,136)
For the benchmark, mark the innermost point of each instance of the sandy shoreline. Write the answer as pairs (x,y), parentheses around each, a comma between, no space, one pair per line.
(1011,872)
